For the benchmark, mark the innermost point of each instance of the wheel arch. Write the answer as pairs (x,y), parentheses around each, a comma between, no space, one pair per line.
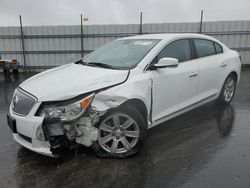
(220,100)
(140,106)
(235,75)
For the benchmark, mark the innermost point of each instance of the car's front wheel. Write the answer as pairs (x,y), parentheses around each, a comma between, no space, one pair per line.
(228,90)
(121,132)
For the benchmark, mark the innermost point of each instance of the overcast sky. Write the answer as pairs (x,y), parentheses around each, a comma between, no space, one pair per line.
(67,12)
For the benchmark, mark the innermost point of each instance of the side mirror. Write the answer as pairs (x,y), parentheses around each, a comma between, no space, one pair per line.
(165,62)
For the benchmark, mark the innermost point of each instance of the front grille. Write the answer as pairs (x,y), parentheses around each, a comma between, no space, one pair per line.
(22,103)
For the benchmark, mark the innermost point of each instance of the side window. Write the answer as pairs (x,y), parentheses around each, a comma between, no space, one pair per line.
(179,49)
(204,47)
(218,48)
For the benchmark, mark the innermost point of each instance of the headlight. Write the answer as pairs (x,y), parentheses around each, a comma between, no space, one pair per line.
(66,112)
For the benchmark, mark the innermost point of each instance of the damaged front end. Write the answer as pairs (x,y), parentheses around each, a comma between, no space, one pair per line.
(63,135)
(68,124)
(75,122)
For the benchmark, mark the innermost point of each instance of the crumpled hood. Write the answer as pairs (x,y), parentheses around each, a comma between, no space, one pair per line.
(70,80)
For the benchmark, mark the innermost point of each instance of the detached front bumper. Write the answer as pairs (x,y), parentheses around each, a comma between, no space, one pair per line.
(31,146)
(24,130)
(51,137)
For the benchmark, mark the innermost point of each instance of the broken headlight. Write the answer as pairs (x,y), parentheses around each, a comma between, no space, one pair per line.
(66,111)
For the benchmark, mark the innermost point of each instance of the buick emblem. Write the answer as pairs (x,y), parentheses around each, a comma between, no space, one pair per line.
(15,101)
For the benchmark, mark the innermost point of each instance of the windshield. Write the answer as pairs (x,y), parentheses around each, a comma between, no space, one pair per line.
(121,54)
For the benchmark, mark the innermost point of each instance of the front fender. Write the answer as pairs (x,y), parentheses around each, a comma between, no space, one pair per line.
(138,88)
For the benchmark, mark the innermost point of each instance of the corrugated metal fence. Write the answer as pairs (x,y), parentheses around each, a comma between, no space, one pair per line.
(47,46)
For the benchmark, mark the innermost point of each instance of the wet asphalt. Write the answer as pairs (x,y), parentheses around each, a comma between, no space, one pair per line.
(206,147)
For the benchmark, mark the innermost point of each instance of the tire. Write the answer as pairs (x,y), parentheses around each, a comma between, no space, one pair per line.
(121,133)
(227,91)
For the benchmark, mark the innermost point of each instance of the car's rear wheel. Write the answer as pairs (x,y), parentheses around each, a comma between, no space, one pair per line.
(228,90)
(121,132)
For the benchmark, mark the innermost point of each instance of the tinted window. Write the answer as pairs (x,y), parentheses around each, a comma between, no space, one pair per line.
(204,47)
(179,49)
(218,48)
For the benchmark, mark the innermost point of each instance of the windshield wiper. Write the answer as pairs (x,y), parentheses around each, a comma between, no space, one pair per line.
(81,62)
(98,64)
(95,64)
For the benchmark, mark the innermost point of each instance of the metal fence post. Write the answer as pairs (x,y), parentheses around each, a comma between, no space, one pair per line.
(22,41)
(140,31)
(201,21)
(81,37)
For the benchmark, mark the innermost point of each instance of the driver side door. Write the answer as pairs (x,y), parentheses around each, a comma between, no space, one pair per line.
(174,88)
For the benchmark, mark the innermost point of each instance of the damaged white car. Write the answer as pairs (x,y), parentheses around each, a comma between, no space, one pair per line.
(109,99)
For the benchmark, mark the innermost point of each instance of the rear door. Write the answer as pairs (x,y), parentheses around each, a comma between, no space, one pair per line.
(174,88)
(209,64)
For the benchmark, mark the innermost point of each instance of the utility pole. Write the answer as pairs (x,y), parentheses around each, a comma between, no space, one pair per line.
(201,21)
(140,32)
(22,41)
(81,37)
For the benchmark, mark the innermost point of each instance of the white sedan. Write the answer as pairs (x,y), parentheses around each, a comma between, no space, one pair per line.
(109,99)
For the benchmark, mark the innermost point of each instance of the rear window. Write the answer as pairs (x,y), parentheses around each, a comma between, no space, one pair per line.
(218,48)
(204,47)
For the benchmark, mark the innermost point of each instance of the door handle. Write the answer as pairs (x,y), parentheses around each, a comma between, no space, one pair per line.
(223,65)
(193,74)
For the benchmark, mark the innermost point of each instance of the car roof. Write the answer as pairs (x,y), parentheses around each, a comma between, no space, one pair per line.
(168,36)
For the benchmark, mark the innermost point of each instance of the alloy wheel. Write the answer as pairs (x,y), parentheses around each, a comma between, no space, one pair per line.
(229,89)
(118,133)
